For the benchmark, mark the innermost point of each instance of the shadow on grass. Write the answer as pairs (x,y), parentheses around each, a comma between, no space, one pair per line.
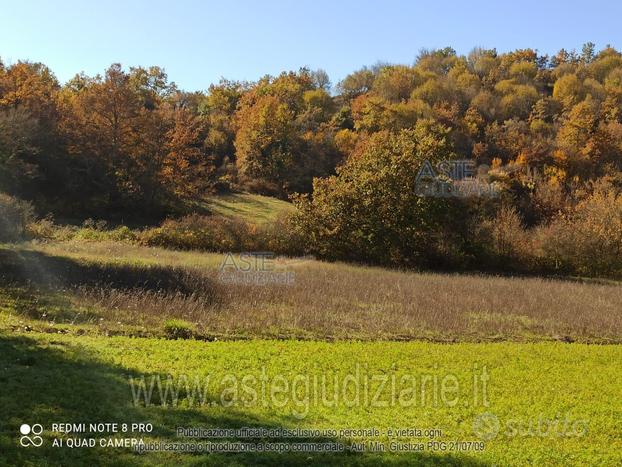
(36,268)
(47,381)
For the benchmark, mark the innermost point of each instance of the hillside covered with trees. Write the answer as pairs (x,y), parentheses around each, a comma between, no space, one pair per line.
(549,128)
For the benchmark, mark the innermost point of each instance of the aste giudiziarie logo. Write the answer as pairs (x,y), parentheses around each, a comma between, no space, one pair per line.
(254,268)
(460,178)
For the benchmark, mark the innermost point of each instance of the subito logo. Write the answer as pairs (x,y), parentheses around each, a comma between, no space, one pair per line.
(486,426)
(31,435)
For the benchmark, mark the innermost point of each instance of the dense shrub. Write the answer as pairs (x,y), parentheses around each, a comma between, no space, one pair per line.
(588,240)
(196,232)
(213,233)
(99,233)
(46,229)
(15,215)
(504,241)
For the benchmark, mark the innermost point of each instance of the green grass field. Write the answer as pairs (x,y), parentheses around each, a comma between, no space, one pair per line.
(53,378)
(248,207)
(82,327)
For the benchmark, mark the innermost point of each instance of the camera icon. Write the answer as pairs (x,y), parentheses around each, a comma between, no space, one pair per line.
(31,435)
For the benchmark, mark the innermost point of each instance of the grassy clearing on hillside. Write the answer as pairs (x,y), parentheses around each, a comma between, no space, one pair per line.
(549,403)
(234,222)
(248,207)
(113,287)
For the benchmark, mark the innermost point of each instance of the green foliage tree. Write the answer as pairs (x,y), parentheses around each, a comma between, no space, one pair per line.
(370,210)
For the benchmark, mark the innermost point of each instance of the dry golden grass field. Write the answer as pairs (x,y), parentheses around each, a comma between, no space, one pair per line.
(120,288)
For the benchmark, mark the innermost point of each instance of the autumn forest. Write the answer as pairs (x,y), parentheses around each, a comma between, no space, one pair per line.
(130,143)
